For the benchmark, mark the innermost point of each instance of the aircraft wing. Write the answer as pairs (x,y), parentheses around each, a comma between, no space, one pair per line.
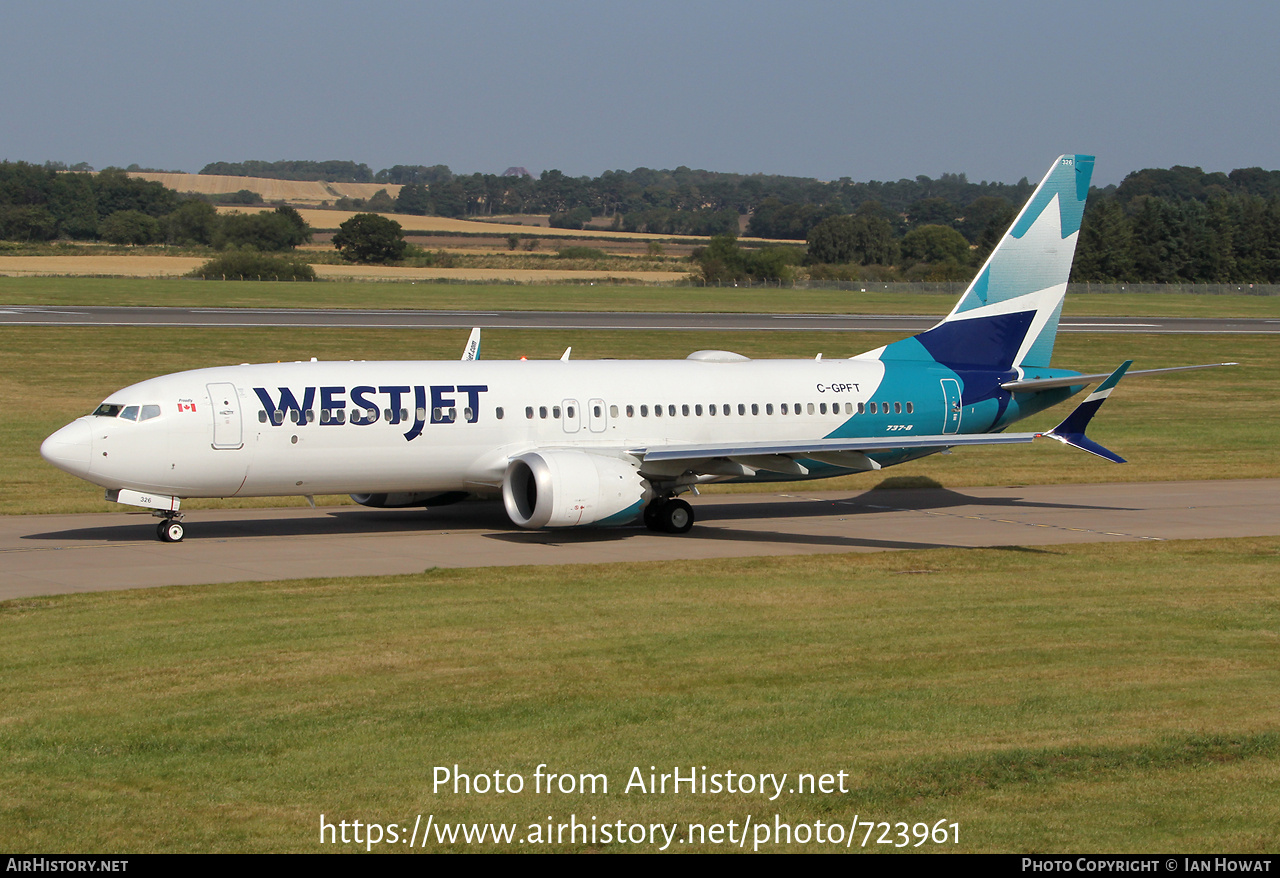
(852,452)
(747,458)
(1077,380)
(826,446)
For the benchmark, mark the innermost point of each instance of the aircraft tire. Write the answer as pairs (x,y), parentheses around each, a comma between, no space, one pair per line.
(676,517)
(169,531)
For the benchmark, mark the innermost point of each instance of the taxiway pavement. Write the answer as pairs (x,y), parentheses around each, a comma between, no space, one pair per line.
(58,554)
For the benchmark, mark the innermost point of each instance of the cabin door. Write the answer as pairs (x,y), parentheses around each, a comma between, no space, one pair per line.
(225,405)
(952,410)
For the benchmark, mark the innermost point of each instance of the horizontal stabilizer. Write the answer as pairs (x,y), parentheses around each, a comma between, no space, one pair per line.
(1034,384)
(1071,430)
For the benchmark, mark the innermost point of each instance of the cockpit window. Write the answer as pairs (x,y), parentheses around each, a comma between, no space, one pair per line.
(130,413)
(107,410)
(149,412)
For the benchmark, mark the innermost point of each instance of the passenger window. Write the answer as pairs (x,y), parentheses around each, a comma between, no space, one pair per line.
(596,411)
(726,410)
(797,408)
(811,408)
(657,411)
(387,414)
(783,408)
(569,412)
(644,411)
(277,417)
(822,408)
(293,416)
(555,412)
(497,413)
(262,416)
(755,409)
(528,412)
(631,411)
(435,415)
(340,416)
(711,410)
(768,408)
(862,408)
(613,411)
(130,413)
(742,409)
(468,415)
(697,410)
(542,411)
(671,410)
(911,408)
(324,416)
(897,408)
(848,408)
(421,413)
(874,408)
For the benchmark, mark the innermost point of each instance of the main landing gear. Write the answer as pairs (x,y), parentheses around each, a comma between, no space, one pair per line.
(169,530)
(668,515)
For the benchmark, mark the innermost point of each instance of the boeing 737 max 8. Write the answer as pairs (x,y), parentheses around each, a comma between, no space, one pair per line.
(568,443)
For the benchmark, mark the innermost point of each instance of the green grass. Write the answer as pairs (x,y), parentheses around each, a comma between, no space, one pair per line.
(575,297)
(1109,697)
(1197,425)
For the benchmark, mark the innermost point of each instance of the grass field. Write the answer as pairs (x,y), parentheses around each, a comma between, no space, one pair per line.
(1099,698)
(1197,425)
(575,297)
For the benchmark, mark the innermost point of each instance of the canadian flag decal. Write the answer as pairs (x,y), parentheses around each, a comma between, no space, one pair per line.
(186,406)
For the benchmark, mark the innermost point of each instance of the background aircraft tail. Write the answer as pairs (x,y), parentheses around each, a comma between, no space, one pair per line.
(1008,317)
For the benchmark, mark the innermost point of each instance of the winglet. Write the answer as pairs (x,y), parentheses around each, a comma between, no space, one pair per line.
(472,350)
(1071,430)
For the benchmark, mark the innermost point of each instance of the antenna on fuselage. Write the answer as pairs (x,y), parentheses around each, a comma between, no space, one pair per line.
(565,356)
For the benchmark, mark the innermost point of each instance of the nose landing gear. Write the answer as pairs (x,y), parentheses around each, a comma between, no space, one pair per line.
(170,529)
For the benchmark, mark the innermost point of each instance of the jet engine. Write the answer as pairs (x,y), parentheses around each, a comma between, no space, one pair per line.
(572,488)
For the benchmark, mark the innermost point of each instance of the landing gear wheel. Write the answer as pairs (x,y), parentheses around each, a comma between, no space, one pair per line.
(676,517)
(169,531)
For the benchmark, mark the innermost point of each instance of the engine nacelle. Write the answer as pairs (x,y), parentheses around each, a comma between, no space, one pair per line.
(572,488)
(404,500)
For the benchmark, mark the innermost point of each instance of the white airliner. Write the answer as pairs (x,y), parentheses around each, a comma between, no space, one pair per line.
(568,443)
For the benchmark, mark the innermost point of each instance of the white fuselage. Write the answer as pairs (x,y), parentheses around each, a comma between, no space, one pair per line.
(361,427)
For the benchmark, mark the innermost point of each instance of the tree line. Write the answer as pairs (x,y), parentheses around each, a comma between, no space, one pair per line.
(43,203)
(1158,225)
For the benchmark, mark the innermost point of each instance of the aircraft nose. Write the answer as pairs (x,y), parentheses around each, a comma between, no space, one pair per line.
(69,448)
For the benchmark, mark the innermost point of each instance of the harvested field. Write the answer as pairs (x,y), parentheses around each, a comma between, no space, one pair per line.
(331,219)
(175,266)
(293,191)
(112,266)
(515,275)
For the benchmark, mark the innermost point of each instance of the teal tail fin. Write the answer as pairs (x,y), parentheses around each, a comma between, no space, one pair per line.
(1008,317)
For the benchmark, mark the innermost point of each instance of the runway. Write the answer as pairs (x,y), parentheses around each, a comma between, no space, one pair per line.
(60,554)
(580,320)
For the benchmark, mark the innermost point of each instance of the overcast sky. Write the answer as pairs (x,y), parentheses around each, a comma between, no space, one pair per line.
(869,90)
